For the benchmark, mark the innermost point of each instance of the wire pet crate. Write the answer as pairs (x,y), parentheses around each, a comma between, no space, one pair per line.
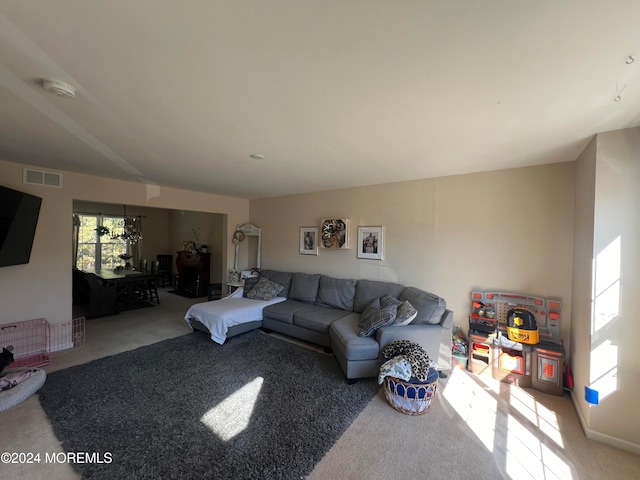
(67,335)
(33,341)
(409,398)
(28,340)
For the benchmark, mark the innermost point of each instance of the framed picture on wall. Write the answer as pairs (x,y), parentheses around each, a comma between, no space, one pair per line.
(334,234)
(370,243)
(309,240)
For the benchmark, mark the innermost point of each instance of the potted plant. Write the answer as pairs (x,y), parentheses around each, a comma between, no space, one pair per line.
(102,230)
(234,275)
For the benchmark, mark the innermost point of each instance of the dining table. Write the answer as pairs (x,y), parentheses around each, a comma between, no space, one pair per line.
(131,286)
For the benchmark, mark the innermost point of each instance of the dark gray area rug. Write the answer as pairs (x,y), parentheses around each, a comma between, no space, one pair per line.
(258,407)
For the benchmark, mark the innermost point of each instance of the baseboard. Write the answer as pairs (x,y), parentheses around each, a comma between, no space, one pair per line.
(60,347)
(601,437)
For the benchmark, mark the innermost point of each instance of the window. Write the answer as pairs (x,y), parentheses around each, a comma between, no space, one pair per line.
(99,251)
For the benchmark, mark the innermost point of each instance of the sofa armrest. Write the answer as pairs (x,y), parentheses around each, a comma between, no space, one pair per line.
(434,338)
(447,320)
(391,333)
(427,336)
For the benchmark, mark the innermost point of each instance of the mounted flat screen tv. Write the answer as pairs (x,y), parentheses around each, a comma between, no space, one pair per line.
(19,214)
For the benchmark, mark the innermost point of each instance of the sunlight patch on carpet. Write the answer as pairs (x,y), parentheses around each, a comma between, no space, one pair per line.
(537,414)
(474,404)
(231,416)
(511,436)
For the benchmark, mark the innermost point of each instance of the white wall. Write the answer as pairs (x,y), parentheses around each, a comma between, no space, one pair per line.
(606,282)
(580,358)
(615,356)
(504,230)
(42,288)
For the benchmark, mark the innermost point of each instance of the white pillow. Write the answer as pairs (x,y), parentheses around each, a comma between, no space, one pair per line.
(405,313)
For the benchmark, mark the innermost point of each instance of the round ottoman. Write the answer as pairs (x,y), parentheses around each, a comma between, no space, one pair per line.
(23,390)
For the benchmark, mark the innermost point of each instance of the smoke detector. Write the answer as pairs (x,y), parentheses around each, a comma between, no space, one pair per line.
(60,88)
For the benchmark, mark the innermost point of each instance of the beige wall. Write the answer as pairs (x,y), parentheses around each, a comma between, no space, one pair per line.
(210,228)
(505,230)
(42,288)
(613,325)
(579,358)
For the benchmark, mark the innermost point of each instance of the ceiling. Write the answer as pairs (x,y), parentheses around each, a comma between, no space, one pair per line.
(332,93)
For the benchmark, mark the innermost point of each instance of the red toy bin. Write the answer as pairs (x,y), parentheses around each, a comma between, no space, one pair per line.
(480,352)
(512,362)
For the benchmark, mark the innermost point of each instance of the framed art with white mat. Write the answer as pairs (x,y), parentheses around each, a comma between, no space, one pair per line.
(309,240)
(370,242)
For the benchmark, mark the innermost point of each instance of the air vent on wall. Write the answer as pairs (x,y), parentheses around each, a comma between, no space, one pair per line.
(60,88)
(40,177)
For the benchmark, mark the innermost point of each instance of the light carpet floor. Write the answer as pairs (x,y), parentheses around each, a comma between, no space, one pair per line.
(475,428)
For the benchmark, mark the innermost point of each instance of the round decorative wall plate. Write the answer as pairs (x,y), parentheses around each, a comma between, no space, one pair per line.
(238,236)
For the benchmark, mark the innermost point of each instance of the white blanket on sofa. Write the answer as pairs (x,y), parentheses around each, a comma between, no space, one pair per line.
(219,315)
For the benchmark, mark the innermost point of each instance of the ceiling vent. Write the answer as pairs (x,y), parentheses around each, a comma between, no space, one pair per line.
(60,88)
(40,177)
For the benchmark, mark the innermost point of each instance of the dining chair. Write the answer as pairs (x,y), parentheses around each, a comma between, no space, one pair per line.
(164,269)
(152,283)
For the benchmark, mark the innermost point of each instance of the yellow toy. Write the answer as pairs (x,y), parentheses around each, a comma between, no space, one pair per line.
(522,326)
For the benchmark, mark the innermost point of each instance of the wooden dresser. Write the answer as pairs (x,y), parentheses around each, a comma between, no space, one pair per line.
(193,273)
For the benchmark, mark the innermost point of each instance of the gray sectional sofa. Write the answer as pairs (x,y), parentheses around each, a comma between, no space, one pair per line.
(327,311)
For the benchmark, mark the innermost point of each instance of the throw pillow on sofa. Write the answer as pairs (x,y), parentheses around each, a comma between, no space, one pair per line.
(376,316)
(264,290)
(249,283)
(283,278)
(406,313)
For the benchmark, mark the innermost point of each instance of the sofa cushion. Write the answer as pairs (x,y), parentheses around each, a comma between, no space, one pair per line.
(264,290)
(283,278)
(283,311)
(406,312)
(376,316)
(430,307)
(304,287)
(346,342)
(318,318)
(336,293)
(368,290)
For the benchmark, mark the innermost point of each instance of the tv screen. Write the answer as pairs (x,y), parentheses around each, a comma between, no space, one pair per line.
(18,219)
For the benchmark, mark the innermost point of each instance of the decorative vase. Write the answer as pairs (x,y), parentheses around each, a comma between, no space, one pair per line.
(126,258)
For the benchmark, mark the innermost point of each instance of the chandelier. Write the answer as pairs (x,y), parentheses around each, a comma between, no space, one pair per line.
(130,229)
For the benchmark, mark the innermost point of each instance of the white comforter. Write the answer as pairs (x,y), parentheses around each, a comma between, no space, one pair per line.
(219,315)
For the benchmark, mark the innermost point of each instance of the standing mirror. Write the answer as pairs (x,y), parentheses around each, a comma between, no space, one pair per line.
(243,231)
